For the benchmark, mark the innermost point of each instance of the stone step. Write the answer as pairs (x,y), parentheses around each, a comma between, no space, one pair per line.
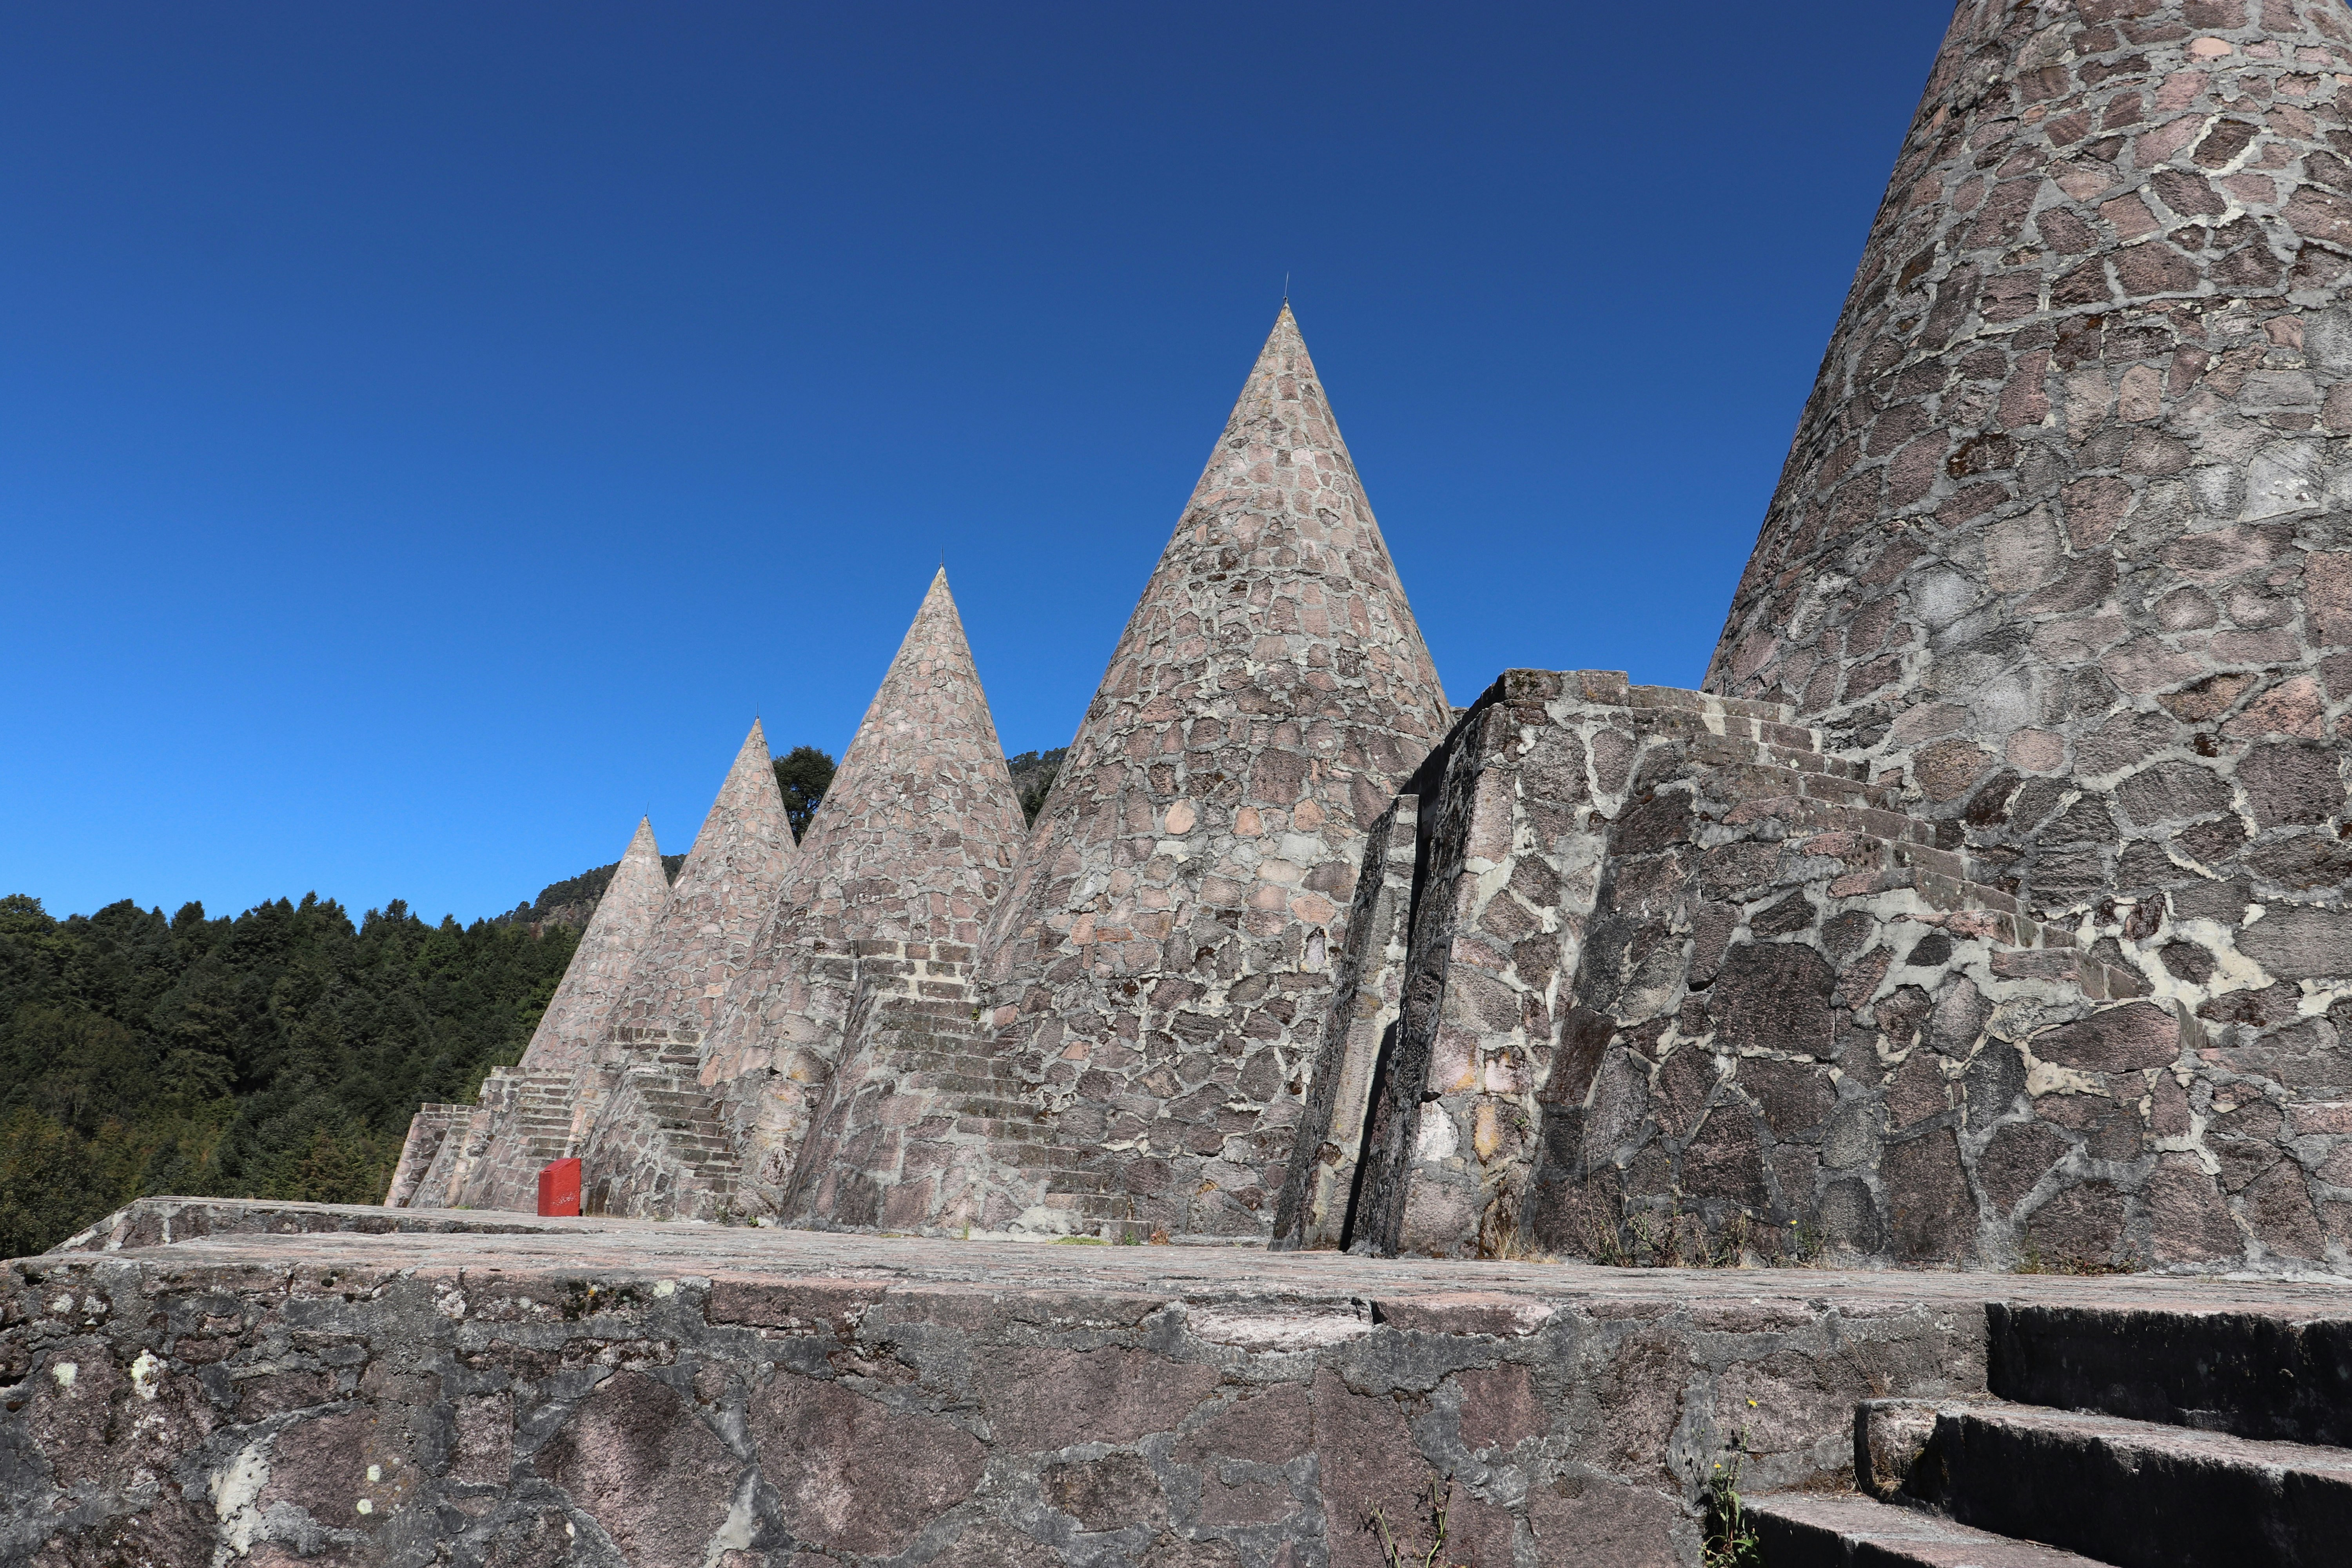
(2136,1494)
(1844,1530)
(2271,1376)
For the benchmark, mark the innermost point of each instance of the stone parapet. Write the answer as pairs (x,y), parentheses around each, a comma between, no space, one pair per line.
(498,1386)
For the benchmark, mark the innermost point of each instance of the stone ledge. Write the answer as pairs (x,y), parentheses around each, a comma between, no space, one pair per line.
(650,1392)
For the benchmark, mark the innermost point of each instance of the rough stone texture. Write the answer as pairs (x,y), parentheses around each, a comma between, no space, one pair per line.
(658,1147)
(731,878)
(1163,961)
(1319,1188)
(427,1130)
(2060,544)
(914,843)
(916,1126)
(2134,1492)
(627,912)
(674,1393)
(650,1043)
(540,1087)
(1800,1530)
(1512,860)
(1680,986)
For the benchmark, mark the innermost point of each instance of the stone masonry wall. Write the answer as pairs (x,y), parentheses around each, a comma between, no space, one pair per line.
(625,917)
(1510,862)
(914,843)
(1319,1188)
(730,879)
(602,1394)
(921,1128)
(1681,986)
(1162,964)
(427,1130)
(2060,544)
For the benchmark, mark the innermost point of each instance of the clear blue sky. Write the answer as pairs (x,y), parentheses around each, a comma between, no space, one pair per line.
(428,433)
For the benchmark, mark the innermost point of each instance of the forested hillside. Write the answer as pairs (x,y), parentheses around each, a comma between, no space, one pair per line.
(277,1053)
(280,1053)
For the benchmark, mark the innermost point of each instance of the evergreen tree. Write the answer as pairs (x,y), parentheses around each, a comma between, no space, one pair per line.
(280,1054)
(803,773)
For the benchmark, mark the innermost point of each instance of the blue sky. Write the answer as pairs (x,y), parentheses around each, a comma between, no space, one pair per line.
(429,433)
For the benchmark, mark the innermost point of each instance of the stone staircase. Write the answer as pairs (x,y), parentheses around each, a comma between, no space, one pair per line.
(2129,1438)
(923,1128)
(659,1149)
(543,1116)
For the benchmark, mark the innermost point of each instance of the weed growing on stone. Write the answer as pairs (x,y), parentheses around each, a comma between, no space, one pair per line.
(1677,1239)
(1395,1554)
(583,1296)
(2033,1262)
(1730,1539)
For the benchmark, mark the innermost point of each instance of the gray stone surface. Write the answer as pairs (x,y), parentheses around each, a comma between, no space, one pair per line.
(1163,961)
(2060,548)
(611,1390)
(914,844)
(731,878)
(627,913)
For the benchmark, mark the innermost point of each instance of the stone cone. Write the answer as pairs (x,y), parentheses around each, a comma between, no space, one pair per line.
(727,884)
(914,843)
(626,913)
(1162,959)
(2061,546)
(917,835)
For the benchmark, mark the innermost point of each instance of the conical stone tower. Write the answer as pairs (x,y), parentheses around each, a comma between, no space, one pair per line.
(2062,546)
(727,884)
(1162,961)
(912,847)
(916,834)
(626,913)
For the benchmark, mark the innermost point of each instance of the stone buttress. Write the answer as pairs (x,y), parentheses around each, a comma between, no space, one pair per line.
(1161,967)
(1683,985)
(626,913)
(913,845)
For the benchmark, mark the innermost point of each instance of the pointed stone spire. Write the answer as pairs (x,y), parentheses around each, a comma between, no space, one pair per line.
(624,922)
(1169,938)
(2063,517)
(916,834)
(914,842)
(730,881)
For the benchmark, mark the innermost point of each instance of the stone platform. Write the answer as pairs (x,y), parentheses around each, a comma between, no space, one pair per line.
(208,1381)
